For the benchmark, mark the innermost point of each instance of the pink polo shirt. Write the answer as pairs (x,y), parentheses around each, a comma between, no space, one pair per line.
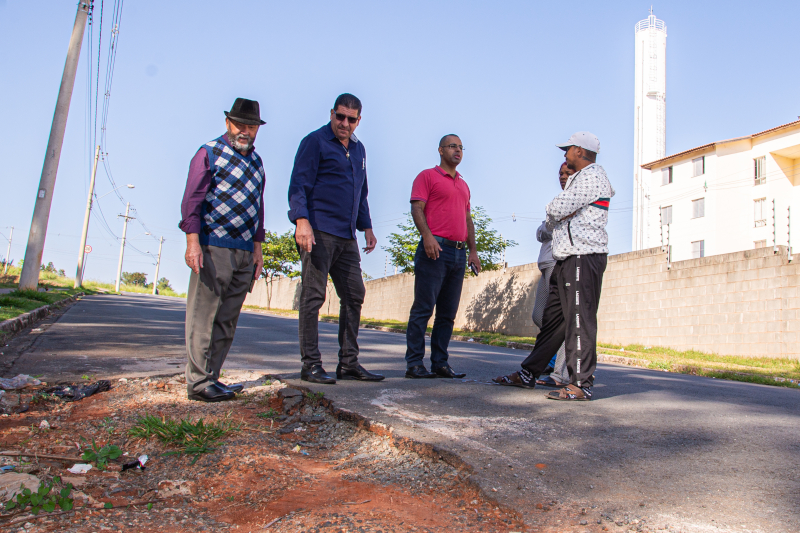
(446,202)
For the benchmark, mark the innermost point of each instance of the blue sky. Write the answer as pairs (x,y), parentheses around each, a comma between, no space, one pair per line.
(511,78)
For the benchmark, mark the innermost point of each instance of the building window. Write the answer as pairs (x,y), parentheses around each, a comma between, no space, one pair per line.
(698,249)
(666,215)
(699,166)
(760,217)
(699,208)
(666,176)
(760,170)
(761,244)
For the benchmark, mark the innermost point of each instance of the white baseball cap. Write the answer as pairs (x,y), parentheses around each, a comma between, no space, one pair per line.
(582,139)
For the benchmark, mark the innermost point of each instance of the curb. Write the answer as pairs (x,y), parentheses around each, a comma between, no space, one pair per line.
(466,471)
(18,323)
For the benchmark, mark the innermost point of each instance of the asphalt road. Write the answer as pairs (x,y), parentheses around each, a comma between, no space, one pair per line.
(699,454)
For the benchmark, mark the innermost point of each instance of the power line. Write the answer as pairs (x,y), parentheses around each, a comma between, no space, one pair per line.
(97,81)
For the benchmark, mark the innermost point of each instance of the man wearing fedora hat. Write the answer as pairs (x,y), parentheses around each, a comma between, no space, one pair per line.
(222,214)
(578,218)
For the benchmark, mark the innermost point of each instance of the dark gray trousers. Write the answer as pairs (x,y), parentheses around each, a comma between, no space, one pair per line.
(213,304)
(339,258)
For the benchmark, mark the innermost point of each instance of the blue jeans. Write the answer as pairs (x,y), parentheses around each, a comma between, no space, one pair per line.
(437,283)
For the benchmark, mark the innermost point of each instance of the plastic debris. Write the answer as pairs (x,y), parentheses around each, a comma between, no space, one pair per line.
(18,382)
(44,424)
(138,463)
(72,392)
(296,449)
(7,468)
(80,468)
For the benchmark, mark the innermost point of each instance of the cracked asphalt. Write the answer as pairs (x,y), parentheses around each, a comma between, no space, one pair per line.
(665,450)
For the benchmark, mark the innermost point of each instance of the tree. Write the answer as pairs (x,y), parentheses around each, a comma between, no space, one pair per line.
(280,259)
(403,245)
(163,284)
(134,278)
(490,245)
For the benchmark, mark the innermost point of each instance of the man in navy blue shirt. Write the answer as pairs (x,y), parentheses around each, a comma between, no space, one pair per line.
(328,203)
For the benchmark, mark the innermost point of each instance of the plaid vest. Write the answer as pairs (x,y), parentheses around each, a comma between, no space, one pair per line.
(230,210)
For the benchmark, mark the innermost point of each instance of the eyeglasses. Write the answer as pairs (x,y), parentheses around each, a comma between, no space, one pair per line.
(453,146)
(341,117)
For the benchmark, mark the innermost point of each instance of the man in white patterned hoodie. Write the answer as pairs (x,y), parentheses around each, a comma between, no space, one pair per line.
(578,218)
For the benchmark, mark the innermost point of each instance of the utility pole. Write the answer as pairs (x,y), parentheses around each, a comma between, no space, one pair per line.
(8,253)
(29,279)
(122,247)
(789,230)
(83,272)
(158,264)
(774,230)
(82,253)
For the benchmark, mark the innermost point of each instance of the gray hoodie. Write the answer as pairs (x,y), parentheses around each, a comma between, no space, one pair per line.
(545,236)
(587,194)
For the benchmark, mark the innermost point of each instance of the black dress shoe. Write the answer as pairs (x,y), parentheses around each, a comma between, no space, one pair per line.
(447,372)
(359,372)
(316,374)
(212,393)
(237,387)
(419,372)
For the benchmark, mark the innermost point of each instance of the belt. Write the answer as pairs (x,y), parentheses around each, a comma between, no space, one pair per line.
(458,245)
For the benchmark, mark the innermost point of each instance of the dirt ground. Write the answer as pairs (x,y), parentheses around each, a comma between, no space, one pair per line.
(297,467)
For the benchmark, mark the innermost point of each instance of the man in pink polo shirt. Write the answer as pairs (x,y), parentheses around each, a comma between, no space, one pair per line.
(440,207)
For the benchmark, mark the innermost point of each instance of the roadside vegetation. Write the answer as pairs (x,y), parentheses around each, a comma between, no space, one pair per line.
(16,303)
(52,278)
(782,372)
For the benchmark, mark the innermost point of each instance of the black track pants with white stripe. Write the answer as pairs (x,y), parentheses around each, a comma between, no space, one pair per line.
(571,317)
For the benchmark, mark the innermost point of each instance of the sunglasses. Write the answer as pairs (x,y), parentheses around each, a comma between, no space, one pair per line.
(341,117)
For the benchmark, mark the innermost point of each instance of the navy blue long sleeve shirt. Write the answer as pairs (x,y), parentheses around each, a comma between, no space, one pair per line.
(329,188)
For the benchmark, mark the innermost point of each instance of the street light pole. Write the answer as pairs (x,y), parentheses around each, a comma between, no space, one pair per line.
(122,247)
(82,253)
(29,278)
(158,264)
(8,253)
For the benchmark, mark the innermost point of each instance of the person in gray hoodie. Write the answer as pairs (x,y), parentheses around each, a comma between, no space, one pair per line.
(559,376)
(578,218)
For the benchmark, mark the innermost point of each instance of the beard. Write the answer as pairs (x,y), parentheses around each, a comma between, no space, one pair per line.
(241,142)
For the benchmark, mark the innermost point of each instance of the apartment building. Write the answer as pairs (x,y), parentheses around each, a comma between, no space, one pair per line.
(726,196)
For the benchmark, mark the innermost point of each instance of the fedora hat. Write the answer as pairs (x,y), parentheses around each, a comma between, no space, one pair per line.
(246,112)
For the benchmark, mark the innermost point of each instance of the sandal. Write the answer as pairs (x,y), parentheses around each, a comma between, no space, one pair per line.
(514,380)
(571,393)
(547,381)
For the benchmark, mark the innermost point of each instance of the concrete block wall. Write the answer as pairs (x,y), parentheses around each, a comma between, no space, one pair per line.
(743,303)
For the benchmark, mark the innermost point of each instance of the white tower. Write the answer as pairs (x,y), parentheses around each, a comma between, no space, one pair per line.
(649,142)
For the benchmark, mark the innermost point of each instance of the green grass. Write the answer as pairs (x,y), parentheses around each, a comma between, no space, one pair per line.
(734,367)
(110,288)
(191,438)
(18,302)
(54,281)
